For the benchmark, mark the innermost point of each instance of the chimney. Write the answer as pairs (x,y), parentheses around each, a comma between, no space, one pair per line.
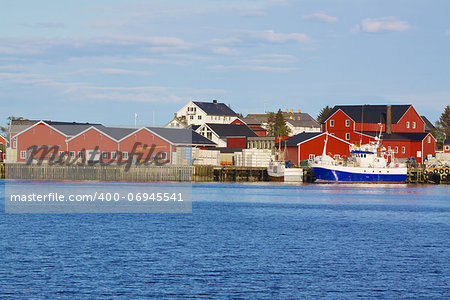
(175,115)
(389,119)
(214,101)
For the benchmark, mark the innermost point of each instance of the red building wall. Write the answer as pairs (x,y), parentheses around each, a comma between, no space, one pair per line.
(315,146)
(410,116)
(147,140)
(237,121)
(39,135)
(238,142)
(91,139)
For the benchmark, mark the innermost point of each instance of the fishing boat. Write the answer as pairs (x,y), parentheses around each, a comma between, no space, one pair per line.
(368,163)
(278,171)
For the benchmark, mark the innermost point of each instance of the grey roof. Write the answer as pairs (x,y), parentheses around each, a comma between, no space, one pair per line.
(428,125)
(179,136)
(216,109)
(225,130)
(447,142)
(301,137)
(302,120)
(116,132)
(295,119)
(68,128)
(370,113)
(72,129)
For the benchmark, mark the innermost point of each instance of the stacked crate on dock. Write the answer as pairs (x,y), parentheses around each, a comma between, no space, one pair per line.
(253,158)
(205,157)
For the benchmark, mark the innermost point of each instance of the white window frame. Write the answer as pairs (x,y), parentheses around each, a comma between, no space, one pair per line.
(414,125)
(161,156)
(337,156)
(125,155)
(312,156)
(103,155)
(80,154)
(347,123)
(403,149)
(72,153)
(331,123)
(347,136)
(14,144)
(407,124)
(61,153)
(429,139)
(199,117)
(447,147)
(113,155)
(396,149)
(23,154)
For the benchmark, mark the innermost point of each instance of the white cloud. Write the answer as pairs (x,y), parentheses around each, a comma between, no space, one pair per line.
(320,16)
(271,36)
(229,68)
(272,59)
(381,25)
(224,51)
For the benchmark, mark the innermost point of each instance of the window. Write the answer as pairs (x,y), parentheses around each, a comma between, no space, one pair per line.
(105,155)
(414,124)
(61,153)
(23,154)
(331,123)
(389,149)
(199,117)
(312,156)
(347,136)
(447,147)
(72,153)
(114,155)
(429,139)
(332,134)
(337,156)
(403,149)
(191,117)
(407,124)
(80,154)
(347,123)
(14,144)
(161,156)
(396,149)
(125,155)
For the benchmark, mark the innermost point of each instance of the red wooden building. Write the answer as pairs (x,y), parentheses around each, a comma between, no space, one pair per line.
(403,129)
(99,143)
(308,145)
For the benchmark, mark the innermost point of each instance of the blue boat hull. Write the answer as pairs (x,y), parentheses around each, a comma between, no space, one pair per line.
(332,175)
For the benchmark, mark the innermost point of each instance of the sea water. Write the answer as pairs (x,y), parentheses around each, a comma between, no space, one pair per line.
(240,241)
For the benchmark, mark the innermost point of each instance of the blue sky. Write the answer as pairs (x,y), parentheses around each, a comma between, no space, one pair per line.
(101,61)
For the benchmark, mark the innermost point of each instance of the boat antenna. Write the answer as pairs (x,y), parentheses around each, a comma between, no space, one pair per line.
(325,145)
(362,125)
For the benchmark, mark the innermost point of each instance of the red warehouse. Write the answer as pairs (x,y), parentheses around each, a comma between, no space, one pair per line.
(308,145)
(401,127)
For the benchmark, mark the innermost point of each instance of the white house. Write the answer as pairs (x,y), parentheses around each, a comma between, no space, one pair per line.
(199,113)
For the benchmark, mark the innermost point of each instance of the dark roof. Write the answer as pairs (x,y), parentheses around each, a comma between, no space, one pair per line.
(225,130)
(181,136)
(72,129)
(370,113)
(228,149)
(410,136)
(447,142)
(116,132)
(216,109)
(428,125)
(301,137)
(194,127)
